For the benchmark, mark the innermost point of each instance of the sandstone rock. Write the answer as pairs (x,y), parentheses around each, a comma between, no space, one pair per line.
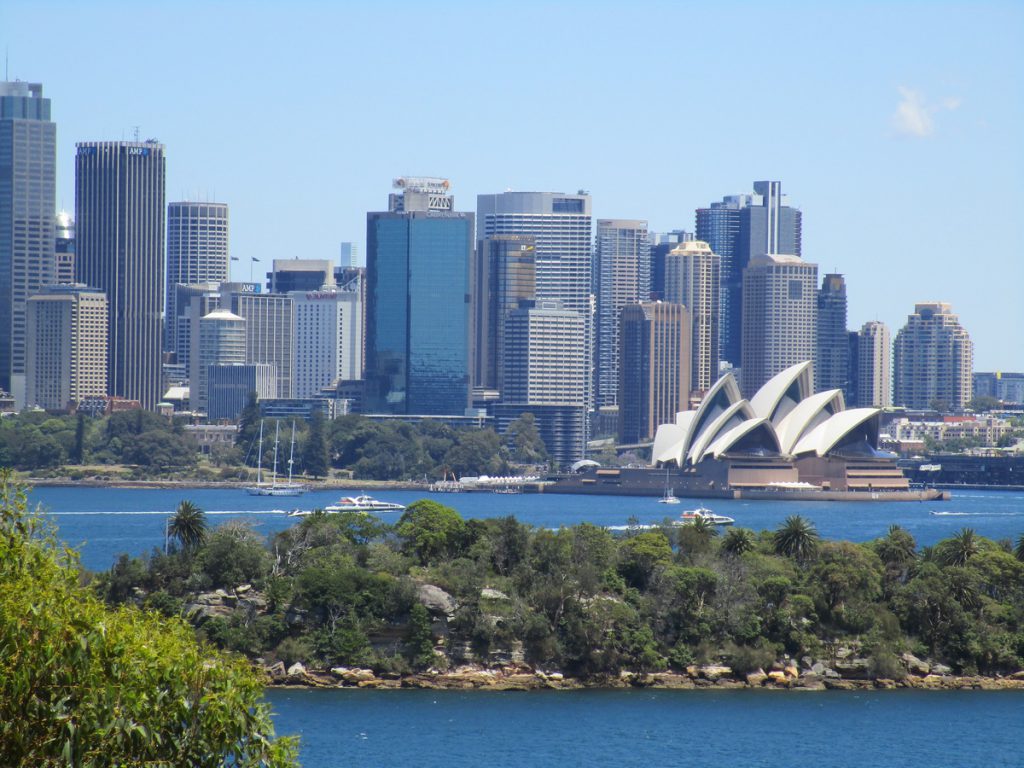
(778,677)
(715,671)
(941,669)
(818,668)
(914,665)
(435,599)
(242,589)
(756,678)
(276,670)
(298,668)
(492,594)
(791,671)
(840,685)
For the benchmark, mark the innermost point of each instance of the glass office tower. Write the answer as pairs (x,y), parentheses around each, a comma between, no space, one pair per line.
(418,263)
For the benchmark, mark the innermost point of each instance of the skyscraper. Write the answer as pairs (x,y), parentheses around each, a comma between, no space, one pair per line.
(197,252)
(418,266)
(623,257)
(300,275)
(832,356)
(119,220)
(661,244)
(561,227)
(545,374)
(654,372)
(740,228)
(506,274)
(874,362)
(780,316)
(269,333)
(221,342)
(64,248)
(27,202)
(328,339)
(693,279)
(66,353)
(933,360)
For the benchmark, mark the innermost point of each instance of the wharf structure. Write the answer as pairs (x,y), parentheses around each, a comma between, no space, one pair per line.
(785,442)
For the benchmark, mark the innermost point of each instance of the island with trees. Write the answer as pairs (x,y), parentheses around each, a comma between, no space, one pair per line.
(436,600)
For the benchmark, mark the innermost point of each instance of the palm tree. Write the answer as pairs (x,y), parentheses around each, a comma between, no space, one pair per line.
(796,538)
(1018,551)
(898,547)
(188,526)
(738,541)
(959,549)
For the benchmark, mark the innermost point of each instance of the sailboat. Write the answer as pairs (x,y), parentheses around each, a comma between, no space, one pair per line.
(275,488)
(670,493)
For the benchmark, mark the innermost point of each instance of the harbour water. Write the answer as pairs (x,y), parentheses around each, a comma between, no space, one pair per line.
(105,522)
(762,729)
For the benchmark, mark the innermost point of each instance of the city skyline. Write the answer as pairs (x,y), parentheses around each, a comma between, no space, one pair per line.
(889,146)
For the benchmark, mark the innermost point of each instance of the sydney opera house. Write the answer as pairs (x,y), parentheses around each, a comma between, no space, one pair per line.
(785,441)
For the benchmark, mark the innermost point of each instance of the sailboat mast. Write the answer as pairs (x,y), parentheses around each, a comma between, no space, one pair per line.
(277,434)
(291,455)
(259,460)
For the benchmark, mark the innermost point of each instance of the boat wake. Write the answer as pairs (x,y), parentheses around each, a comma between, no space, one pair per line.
(977,514)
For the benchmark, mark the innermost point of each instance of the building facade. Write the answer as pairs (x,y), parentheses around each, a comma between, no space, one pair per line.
(67,346)
(738,229)
(693,278)
(832,356)
(874,365)
(505,276)
(300,275)
(197,252)
(328,339)
(661,244)
(419,259)
(623,268)
(64,248)
(231,385)
(221,342)
(933,360)
(269,333)
(119,228)
(28,160)
(780,314)
(655,368)
(561,226)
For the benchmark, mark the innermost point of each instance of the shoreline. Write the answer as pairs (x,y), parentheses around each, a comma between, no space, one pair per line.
(712,677)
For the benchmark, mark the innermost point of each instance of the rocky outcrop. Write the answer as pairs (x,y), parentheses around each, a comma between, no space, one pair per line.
(436,600)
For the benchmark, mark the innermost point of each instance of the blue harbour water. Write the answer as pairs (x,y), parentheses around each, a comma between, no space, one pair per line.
(766,729)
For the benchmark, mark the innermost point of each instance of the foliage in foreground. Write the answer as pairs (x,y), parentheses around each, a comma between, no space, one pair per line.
(347,589)
(86,685)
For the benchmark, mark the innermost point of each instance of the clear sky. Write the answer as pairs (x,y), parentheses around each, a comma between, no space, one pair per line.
(897,127)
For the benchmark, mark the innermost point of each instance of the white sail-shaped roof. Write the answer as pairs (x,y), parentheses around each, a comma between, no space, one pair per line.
(722,396)
(669,444)
(730,438)
(823,437)
(781,393)
(734,415)
(806,415)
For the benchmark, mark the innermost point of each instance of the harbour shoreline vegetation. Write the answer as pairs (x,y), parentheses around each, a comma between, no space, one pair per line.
(439,601)
(88,684)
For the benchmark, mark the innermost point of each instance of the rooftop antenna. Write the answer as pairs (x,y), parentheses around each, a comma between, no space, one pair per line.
(7,56)
(136,134)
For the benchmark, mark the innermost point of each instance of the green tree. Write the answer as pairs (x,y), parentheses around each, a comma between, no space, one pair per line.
(430,531)
(983,404)
(248,421)
(77,455)
(419,638)
(738,541)
(85,685)
(188,526)
(640,555)
(796,538)
(527,445)
(315,459)
(958,549)
(897,547)
(1018,550)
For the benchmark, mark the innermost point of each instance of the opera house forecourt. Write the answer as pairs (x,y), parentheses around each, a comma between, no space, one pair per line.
(785,442)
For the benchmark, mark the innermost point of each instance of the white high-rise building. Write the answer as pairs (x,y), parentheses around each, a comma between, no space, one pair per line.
(197,252)
(933,360)
(874,363)
(328,339)
(693,279)
(269,333)
(560,225)
(623,256)
(780,317)
(221,342)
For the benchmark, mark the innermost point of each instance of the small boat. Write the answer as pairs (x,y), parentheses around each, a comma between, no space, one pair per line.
(669,497)
(361,503)
(703,513)
(275,488)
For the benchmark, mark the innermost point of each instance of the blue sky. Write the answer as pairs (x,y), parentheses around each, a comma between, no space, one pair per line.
(898,128)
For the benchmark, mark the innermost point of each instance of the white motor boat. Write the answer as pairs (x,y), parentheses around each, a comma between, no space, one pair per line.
(361,503)
(703,513)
